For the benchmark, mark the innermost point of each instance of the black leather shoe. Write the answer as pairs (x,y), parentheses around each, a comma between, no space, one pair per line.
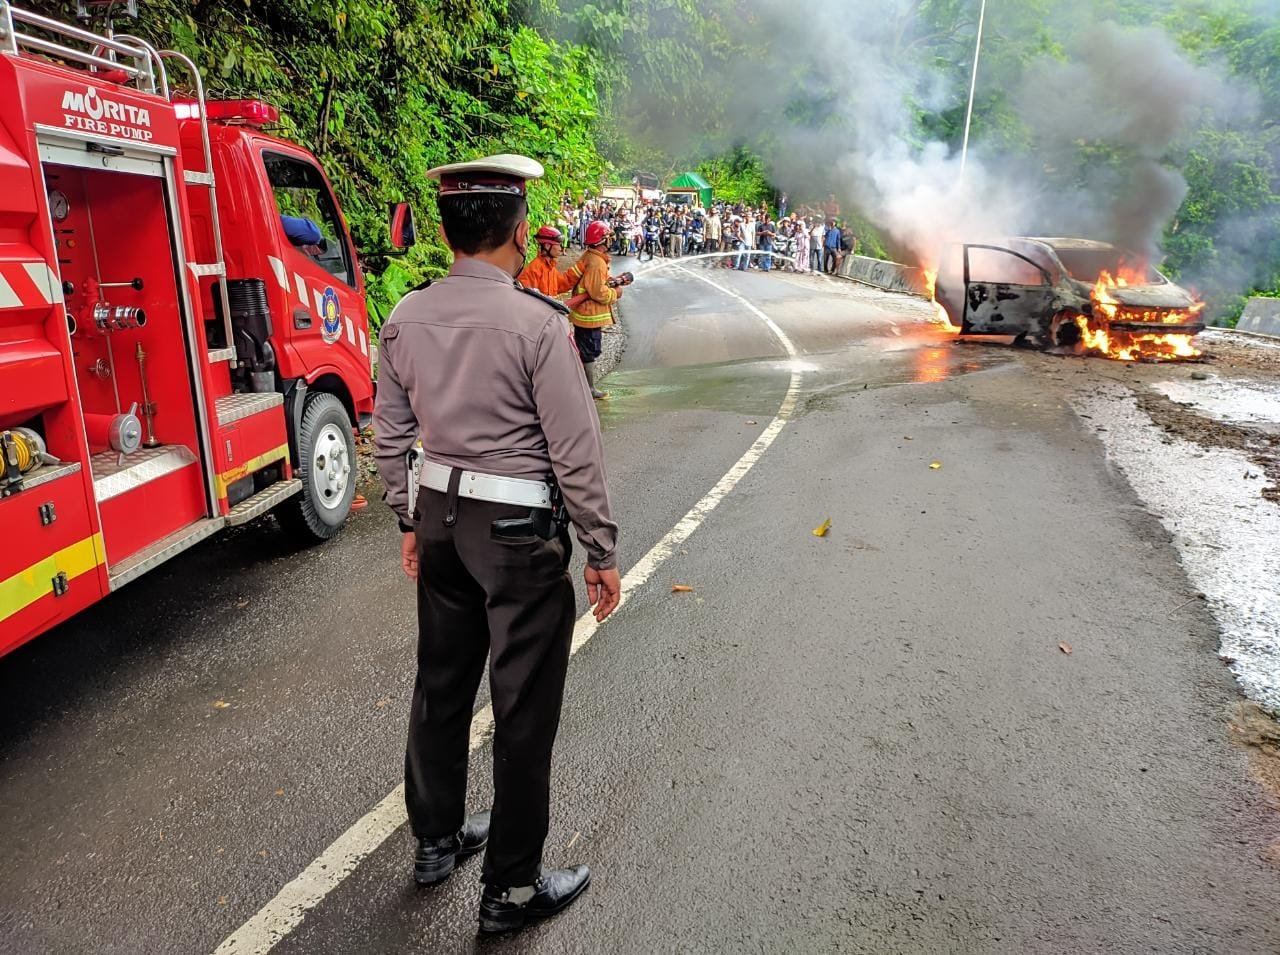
(436,858)
(507,910)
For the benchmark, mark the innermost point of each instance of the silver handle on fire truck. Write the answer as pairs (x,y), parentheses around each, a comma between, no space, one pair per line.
(154,54)
(12,40)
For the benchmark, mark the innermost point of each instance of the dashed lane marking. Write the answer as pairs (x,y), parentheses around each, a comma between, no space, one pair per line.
(284,913)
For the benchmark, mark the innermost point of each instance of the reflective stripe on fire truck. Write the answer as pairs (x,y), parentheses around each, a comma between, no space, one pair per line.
(27,586)
(300,285)
(28,285)
(221,481)
(278,268)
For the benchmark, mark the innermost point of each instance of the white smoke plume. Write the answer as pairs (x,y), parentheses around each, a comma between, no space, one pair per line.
(832,98)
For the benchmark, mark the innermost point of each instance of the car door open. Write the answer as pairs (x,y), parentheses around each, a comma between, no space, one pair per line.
(1005,293)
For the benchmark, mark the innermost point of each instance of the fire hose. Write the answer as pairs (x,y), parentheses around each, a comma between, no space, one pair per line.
(22,450)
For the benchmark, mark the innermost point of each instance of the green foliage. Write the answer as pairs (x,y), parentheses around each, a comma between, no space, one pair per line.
(738,176)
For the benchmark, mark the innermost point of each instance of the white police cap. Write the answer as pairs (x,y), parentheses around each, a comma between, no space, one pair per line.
(505,173)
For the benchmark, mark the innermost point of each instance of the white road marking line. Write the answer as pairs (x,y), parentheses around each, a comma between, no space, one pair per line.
(279,917)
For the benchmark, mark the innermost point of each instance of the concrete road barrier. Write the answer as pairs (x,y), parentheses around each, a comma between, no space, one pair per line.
(890,276)
(1261,317)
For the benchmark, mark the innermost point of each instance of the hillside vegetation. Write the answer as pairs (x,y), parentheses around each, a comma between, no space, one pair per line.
(381,90)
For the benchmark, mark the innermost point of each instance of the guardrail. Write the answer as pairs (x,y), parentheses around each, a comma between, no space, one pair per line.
(883,274)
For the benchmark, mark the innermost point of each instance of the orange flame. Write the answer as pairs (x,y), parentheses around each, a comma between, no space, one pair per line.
(1128,346)
(940,317)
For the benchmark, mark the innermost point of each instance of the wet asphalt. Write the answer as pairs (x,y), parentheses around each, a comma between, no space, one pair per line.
(872,741)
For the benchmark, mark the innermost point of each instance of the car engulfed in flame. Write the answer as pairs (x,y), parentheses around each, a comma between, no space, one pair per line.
(1070,295)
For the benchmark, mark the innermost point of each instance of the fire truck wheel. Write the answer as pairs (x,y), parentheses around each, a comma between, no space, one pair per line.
(326,467)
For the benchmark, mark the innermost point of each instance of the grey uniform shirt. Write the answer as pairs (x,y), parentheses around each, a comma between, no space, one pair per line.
(486,374)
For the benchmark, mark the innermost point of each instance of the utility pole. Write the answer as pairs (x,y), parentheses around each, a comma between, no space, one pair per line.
(973,88)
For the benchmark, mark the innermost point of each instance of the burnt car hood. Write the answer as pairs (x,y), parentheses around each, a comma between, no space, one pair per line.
(1151,296)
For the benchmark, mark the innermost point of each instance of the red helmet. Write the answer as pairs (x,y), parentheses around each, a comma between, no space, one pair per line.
(548,233)
(597,232)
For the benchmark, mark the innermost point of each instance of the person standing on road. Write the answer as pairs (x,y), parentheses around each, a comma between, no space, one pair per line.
(592,310)
(831,248)
(543,273)
(747,231)
(765,234)
(801,231)
(816,235)
(714,226)
(484,372)
(848,244)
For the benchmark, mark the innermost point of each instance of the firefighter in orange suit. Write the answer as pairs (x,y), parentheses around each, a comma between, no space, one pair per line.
(591,308)
(543,274)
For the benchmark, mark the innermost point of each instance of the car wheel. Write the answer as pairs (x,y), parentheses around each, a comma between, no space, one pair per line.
(1064,332)
(327,469)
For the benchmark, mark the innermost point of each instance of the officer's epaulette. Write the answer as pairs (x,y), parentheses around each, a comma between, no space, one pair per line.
(560,307)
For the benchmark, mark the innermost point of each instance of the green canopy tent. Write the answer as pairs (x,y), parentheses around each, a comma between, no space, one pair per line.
(691,182)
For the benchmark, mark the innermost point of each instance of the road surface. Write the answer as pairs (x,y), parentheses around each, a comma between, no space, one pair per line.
(872,741)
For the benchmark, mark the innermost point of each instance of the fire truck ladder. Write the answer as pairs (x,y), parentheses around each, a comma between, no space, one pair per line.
(150,75)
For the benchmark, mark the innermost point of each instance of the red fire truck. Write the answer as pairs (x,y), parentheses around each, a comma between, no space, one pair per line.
(184,343)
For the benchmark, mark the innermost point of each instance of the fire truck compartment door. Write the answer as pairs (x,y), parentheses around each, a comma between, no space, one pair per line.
(64,150)
(1005,293)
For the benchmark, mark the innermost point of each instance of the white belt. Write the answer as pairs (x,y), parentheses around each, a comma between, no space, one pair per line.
(488,487)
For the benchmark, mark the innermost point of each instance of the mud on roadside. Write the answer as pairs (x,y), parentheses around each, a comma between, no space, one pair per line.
(1234,358)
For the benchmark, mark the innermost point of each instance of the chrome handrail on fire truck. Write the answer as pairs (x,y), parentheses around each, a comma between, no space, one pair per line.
(151,65)
(12,42)
(218,267)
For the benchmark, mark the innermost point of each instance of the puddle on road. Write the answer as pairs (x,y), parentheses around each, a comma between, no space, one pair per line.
(755,386)
(1235,401)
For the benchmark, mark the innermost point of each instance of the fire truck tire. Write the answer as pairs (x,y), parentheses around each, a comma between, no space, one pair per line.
(327,469)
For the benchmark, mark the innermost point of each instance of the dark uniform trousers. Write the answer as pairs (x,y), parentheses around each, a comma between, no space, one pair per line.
(510,600)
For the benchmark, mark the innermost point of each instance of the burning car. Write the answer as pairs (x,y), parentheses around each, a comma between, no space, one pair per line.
(1070,294)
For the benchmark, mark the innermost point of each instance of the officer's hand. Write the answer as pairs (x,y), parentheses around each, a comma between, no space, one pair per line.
(409,555)
(604,589)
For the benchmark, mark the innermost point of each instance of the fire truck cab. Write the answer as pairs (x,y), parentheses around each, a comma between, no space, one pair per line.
(184,342)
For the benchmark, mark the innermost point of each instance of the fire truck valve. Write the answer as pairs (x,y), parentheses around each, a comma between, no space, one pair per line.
(119,432)
(118,318)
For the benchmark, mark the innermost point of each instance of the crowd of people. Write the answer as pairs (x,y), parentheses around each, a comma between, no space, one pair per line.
(812,238)
(725,235)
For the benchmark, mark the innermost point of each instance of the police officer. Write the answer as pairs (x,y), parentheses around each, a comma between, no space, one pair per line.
(485,373)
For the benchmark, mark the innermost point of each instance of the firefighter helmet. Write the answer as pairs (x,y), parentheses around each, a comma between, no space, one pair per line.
(598,232)
(548,233)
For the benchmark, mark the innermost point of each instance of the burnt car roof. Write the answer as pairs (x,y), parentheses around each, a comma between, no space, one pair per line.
(1069,243)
